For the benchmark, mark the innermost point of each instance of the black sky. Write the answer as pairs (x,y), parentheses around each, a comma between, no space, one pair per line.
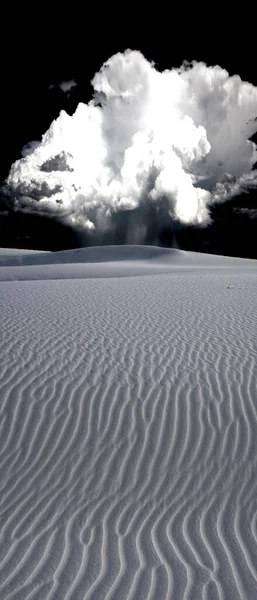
(40,49)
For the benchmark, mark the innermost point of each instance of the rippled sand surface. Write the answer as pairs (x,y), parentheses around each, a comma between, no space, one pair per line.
(128,426)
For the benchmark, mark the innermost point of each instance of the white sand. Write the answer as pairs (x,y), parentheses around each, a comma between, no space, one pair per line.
(128,430)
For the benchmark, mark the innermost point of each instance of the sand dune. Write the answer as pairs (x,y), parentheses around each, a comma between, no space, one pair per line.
(128,430)
(125,262)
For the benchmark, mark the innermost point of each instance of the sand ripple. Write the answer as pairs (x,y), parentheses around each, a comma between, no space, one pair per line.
(128,437)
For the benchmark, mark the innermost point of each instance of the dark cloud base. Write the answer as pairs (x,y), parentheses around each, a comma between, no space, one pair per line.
(232,232)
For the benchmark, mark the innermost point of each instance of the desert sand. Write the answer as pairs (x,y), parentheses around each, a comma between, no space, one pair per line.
(128,430)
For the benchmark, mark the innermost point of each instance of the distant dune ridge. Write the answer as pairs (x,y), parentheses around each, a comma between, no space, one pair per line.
(128,430)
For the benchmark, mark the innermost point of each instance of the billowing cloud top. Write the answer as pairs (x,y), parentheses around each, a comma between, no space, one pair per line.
(167,144)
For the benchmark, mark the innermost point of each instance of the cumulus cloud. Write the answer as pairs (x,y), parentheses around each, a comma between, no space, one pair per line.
(149,149)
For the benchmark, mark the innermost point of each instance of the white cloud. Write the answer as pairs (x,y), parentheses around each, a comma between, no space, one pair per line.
(165,144)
